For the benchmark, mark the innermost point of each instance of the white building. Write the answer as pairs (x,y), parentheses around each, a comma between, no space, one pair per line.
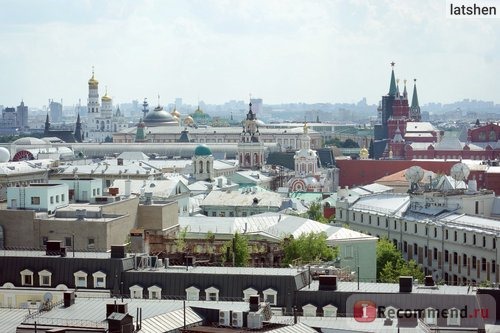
(451,234)
(39,197)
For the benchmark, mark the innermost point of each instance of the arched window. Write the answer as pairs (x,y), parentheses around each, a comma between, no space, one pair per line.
(493,136)
(201,167)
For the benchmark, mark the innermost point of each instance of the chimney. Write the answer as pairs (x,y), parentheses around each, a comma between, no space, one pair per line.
(328,282)
(254,301)
(127,187)
(405,284)
(69,298)
(429,281)
(116,307)
(117,251)
(114,191)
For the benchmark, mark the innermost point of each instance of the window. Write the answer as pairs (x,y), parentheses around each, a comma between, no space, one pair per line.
(212,294)
(464,260)
(270,296)
(430,316)
(453,317)
(91,243)
(483,264)
(26,277)
(378,221)
(362,219)
(474,239)
(406,226)
(405,247)
(477,207)
(68,241)
(386,223)
(494,243)
(99,279)
(136,291)
(395,225)
(192,294)
(57,198)
(435,254)
(415,249)
(231,214)
(369,219)
(62,197)
(425,251)
(415,228)
(446,234)
(309,310)
(493,266)
(35,200)
(455,258)
(446,255)
(426,230)
(435,232)
(45,278)
(80,279)
(329,311)
(244,214)
(51,200)
(455,236)
(154,292)
(474,262)
(465,238)
(249,292)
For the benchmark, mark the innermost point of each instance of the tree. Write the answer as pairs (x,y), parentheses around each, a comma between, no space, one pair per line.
(238,247)
(315,212)
(308,248)
(391,264)
(180,242)
(349,143)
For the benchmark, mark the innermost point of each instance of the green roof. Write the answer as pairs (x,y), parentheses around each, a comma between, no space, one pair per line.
(307,196)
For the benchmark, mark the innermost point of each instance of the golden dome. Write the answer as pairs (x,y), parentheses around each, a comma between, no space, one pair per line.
(106,98)
(363,151)
(175,113)
(93,81)
(188,120)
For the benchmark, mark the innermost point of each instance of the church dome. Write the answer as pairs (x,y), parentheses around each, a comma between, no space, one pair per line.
(93,81)
(175,113)
(260,123)
(202,150)
(106,98)
(188,120)
(159,117)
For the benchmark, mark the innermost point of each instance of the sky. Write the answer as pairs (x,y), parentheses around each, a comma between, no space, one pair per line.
(283,51)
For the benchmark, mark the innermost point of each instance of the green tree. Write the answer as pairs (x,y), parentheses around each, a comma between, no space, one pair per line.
(349,143)
(309,247)
(239,247)
(180,242)
(315,212)
(391,264)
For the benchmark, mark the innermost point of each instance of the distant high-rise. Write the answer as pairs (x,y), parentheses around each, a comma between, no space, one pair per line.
(55,111)
(22,116)
(257,106)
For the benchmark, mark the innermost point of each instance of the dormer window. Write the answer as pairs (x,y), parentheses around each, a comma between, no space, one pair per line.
(26,277)
(45,278)
(212,294)
(99,279)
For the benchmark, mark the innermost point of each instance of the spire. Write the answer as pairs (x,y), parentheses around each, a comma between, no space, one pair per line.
(392,87)
(47,125)
(415,108)
(414,99)
(78,129)
(405,93)
(397,88)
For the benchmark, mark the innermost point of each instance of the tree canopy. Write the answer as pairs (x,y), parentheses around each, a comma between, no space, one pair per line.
(239,246)
(391,264)
(309,247)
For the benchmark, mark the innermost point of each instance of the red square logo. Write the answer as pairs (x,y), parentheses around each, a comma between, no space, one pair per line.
(365,311)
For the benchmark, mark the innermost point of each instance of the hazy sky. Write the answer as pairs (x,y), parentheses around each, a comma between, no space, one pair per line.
(215,51)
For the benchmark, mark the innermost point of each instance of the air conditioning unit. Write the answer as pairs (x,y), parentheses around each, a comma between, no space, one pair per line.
(237,319)
(225,318)
(254,320)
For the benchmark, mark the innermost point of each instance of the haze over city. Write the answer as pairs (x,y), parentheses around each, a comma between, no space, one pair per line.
(282,51)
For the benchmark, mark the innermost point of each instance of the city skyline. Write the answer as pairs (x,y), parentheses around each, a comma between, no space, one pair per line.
(217,51)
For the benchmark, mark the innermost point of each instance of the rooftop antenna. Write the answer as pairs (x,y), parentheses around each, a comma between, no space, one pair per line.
(414,175)
(459,172)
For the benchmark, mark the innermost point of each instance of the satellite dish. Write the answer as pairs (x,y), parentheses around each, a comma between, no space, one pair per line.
(47,297)
(414,175)
(459,172)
